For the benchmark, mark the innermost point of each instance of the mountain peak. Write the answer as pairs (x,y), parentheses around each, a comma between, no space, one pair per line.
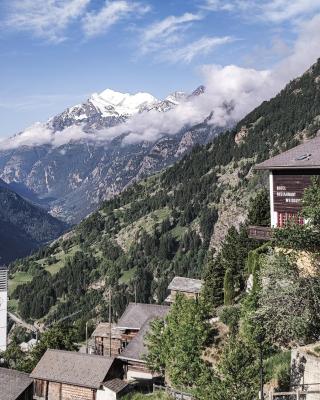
(122,103)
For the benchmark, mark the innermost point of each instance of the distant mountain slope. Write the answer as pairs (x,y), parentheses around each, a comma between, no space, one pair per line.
(71,177)
(166,224)
(23,226)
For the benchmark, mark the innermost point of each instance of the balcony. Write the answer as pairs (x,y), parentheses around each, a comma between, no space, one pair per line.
(260,232)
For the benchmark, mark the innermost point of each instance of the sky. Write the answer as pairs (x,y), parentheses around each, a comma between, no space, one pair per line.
(56,53)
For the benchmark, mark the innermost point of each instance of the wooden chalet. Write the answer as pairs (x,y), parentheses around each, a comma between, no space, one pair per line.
(289,175)
(191,288)
(15,385)
(134,325)
(127,328)
(101,337)
(65,375)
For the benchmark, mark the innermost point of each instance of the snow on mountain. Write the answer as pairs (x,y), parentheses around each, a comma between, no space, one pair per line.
(111,103)
(63,165)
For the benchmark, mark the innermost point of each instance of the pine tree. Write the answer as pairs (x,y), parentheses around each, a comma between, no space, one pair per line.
(213,281)
(228,287)
(259,211)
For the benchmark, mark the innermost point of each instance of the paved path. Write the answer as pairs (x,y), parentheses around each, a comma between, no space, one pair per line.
(19,321)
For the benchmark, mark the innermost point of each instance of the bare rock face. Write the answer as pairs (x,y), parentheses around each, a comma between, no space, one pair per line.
(71,179)
(241,135)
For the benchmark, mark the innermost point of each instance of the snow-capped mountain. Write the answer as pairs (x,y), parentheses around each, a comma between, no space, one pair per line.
(55,163)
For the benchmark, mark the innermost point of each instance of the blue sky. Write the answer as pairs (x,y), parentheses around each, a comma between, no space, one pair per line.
(55,53)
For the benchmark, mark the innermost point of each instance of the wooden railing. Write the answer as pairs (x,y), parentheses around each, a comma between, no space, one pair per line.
(175,394)
(260,232)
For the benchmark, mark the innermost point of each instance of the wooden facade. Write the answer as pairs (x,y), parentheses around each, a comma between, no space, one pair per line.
(119,341)
(46,390)
(287,191)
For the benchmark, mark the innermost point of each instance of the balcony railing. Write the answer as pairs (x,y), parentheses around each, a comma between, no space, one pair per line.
(260,232)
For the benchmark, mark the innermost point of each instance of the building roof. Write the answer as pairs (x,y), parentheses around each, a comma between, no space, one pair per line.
(136,314)
(13,383)
(115,385)
(103,330)
(186,285)
(136,349)
(306,155)
(85,370)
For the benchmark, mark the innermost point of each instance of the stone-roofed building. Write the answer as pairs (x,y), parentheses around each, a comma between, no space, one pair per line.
(134,324)
(186,286)
(289,175)
(128,326)
(134,356)
(65,375)
(101,338)
(15,385)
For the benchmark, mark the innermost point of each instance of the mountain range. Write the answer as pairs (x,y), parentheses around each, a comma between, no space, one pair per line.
(23,226)
(72,162)
(168,224)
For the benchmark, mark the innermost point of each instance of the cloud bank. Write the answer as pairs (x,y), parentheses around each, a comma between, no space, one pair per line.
(231,92)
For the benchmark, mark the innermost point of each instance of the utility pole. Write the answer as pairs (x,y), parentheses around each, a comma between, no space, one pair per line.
(261,372)
(135,291)
(87,337)
(110,324)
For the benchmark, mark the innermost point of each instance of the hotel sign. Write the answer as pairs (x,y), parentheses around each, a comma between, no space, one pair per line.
(288,192)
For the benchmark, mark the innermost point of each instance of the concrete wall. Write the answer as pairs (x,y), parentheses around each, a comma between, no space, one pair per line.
(3,309)
(106,394)
(306,370)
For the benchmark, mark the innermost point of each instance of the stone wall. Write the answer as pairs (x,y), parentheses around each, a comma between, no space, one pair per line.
(306,370)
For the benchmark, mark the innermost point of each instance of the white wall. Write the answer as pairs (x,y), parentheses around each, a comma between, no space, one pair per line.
(3,308)
(106,394)
(311,371)
(132,375)
(273,214)
(3,320)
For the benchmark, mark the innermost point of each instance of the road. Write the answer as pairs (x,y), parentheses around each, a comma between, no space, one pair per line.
(19,321)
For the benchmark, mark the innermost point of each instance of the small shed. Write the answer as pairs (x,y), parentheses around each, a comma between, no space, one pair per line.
(186,286)
(15,385)
(113,390)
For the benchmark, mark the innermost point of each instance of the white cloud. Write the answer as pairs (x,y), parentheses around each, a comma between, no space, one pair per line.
(226,86)
(202,46)
(167,31)
(96,23)
(45,19)
(275,11)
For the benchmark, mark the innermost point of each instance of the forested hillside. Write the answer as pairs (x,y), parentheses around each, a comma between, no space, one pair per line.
(167,224)
(23,226)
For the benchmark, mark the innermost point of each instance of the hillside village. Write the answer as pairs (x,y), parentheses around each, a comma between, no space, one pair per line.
(133,353)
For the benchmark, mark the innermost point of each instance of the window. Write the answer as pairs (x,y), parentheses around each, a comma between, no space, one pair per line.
(284,218)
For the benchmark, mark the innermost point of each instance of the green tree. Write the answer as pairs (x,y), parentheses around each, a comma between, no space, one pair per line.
(213,281)
(311,203)
(228,288)
(238,371)
(177,344)
(259,209)
(58,337)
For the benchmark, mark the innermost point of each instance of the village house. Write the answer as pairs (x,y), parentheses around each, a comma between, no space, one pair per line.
(289,175)
(15,385)
(65,375)
(101,338)
(191,288)
(128,326)
(133,356)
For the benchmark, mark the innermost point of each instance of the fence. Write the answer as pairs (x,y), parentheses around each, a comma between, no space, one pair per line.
(176,394)
(303,392)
